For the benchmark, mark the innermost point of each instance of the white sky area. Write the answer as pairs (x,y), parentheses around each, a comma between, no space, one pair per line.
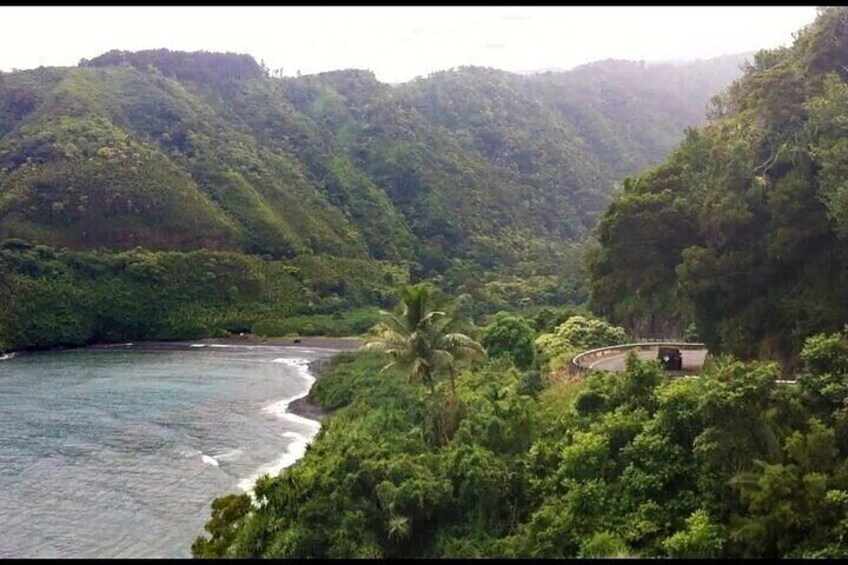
(398,43)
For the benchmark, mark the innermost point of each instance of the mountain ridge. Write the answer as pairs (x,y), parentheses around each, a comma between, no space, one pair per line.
(177,150)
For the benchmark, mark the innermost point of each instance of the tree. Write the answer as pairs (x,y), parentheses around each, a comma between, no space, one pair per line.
(701,538)
(422,338)
(511,336)
(227,514)
(577,334)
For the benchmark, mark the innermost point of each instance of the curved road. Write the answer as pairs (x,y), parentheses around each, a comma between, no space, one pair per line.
(693,360)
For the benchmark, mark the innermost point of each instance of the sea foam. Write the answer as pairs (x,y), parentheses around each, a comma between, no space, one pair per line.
(297,446)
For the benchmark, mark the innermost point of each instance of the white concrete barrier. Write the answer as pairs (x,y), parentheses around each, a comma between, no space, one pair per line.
(583,360)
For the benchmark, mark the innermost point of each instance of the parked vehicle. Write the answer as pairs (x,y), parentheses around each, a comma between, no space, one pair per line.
(671,358)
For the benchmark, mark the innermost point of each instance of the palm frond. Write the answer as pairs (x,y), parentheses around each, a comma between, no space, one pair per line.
(419,370)
(386,339)
(397,324)
(443,358)
(388,366)
(458,342)
(430,316)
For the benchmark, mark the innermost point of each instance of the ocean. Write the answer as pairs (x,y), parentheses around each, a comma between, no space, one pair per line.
(119,451)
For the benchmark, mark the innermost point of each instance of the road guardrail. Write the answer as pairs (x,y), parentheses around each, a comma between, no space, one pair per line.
(581,360)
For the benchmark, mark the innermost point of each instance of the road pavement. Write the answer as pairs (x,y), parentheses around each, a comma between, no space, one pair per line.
(693,360)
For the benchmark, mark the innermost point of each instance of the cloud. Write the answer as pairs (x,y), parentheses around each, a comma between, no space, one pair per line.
(399,42)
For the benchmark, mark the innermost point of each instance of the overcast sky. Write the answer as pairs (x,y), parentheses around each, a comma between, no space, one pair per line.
(397,43)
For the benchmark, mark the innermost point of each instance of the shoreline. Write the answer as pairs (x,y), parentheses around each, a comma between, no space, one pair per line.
(300,407)
(322,342)
(346,343)
(305,407)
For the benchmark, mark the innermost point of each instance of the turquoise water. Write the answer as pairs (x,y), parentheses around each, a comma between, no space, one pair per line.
(118,452)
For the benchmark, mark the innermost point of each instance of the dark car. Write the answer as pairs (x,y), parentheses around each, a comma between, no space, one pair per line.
(671,358)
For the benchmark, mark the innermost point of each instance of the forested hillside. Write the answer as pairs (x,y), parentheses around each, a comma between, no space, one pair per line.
(70,298)
(742,230)
(170,150)
(482,179)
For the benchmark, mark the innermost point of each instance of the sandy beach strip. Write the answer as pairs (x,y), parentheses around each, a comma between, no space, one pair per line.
(340,343)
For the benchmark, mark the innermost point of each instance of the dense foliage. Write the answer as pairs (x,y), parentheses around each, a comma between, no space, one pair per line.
(636,464)
(465,168)
(512,337)
(743,229)
(575,335)
(189,195)
(50,297)
(481,180)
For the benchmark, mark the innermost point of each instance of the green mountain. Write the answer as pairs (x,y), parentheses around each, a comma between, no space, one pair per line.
(317,193)
(182,151)
(742,230)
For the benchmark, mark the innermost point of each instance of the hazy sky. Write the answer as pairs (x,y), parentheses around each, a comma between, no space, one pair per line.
(397,43)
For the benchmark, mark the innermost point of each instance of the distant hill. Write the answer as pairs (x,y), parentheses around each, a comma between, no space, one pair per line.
(173,150)
(716,62)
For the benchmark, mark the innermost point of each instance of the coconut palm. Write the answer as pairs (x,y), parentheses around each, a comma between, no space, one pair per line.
(422,338)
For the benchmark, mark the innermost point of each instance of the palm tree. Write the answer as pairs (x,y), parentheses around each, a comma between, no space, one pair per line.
(422,338)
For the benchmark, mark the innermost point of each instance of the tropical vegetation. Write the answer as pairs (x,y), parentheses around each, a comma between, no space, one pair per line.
(169,195)
(483,181)
(636,464)
(737,238)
